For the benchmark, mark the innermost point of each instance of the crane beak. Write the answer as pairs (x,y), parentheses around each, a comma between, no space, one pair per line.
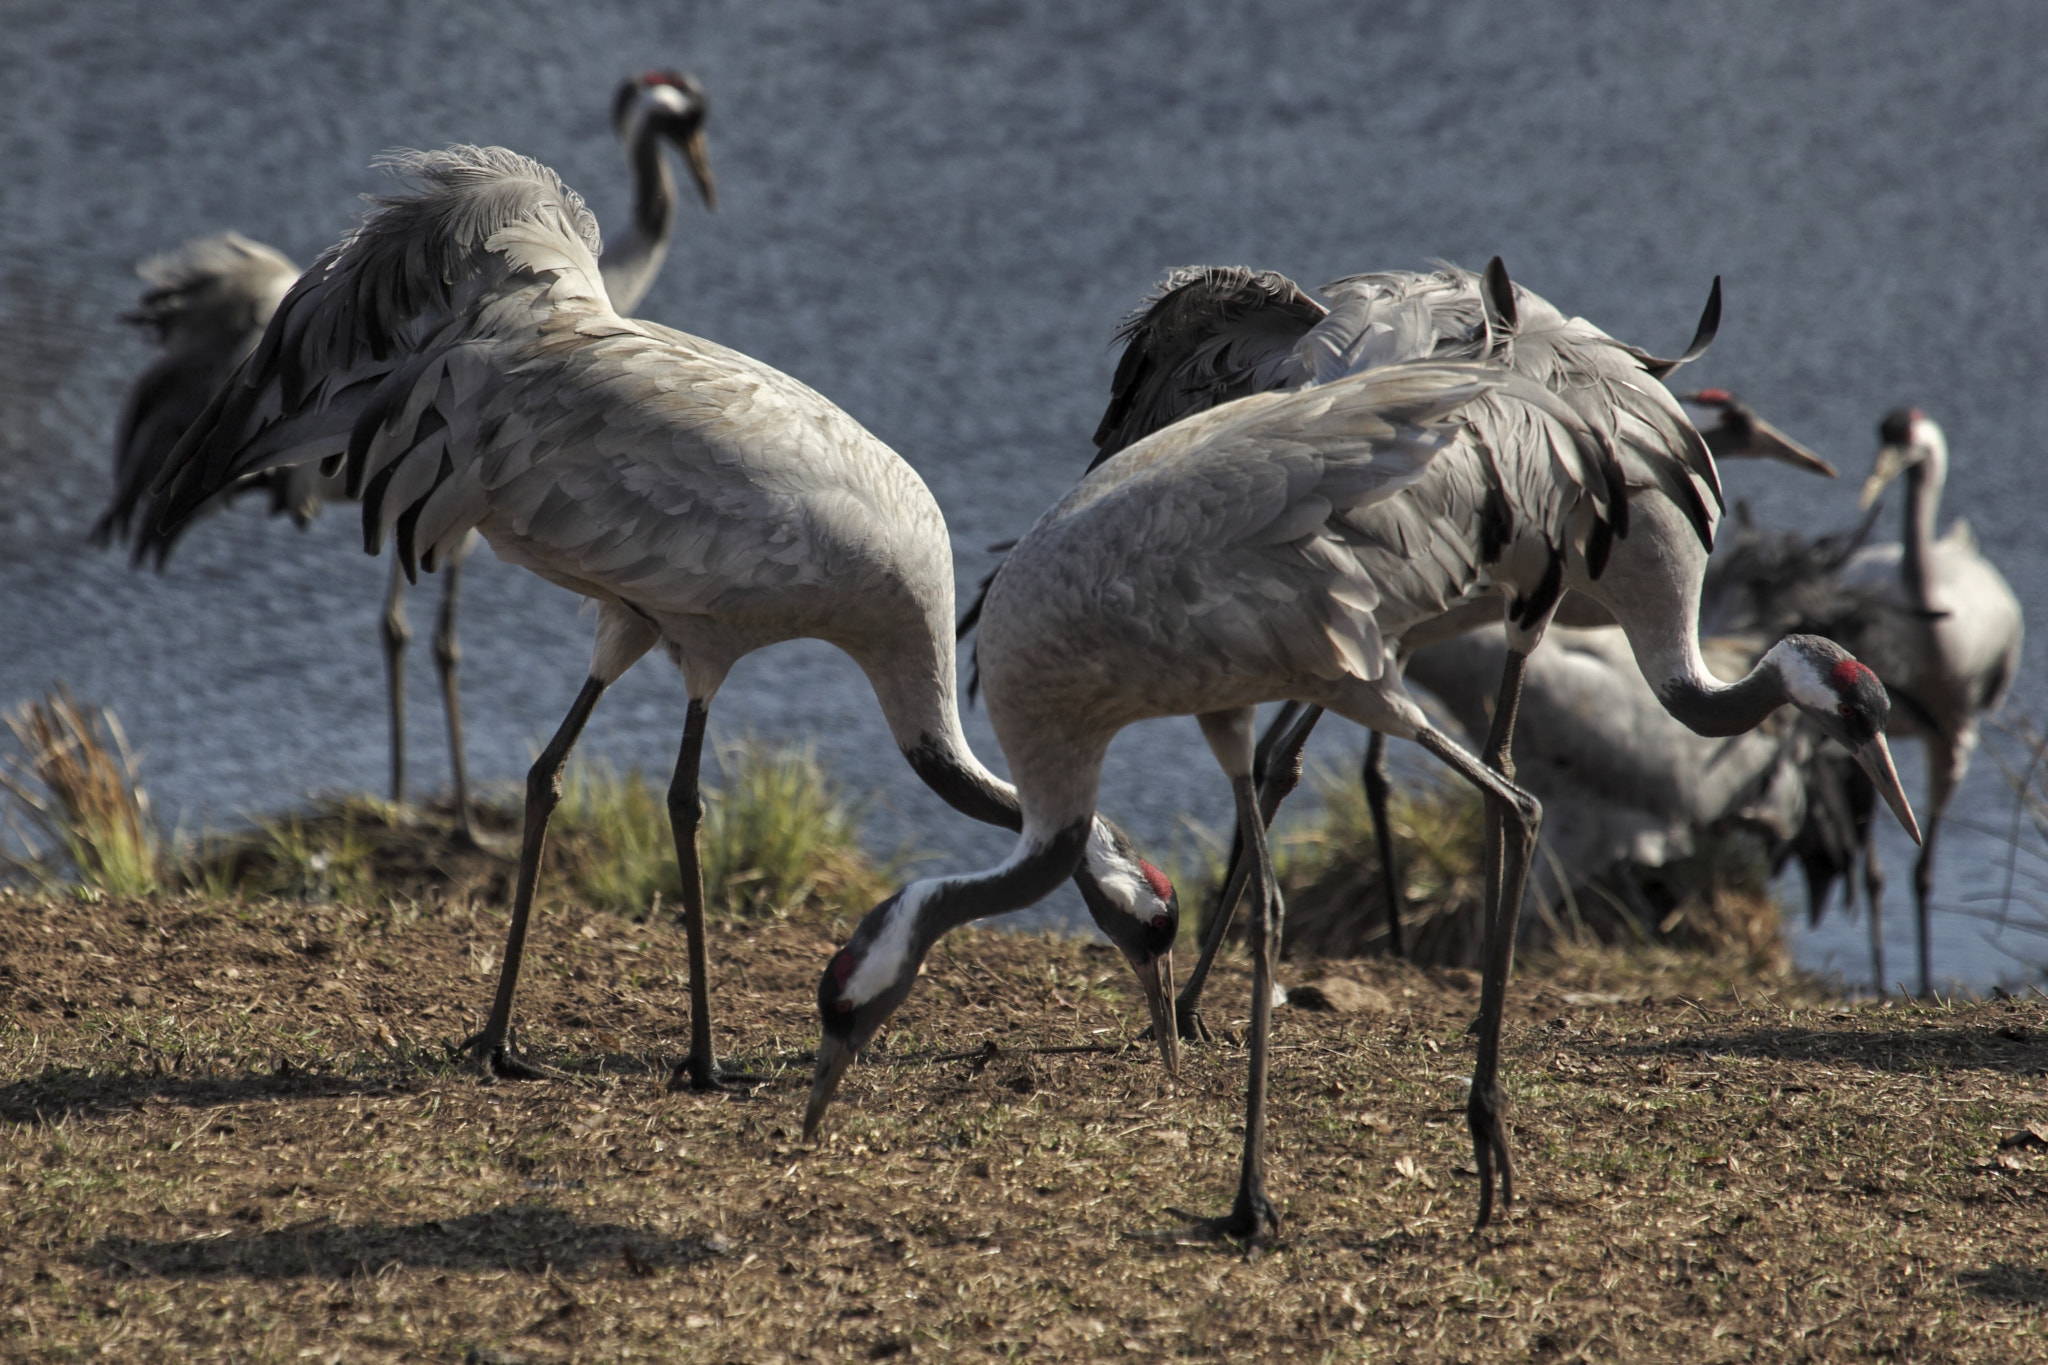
(833,1059)
(1157,979)
(1769,443)
(699,162)
(1890,461)
(1875,758)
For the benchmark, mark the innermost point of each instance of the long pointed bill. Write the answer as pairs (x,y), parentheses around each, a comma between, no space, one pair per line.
(1875,758)
(1773,444)
(1157,979)
(1890,461)
(699,161)
(833,1059)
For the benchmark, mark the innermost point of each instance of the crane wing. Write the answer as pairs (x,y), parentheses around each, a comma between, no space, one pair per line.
(1208,335)
(487,239)
(1240,527)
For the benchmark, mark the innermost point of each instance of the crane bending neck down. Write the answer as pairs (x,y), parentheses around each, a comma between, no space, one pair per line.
(1652,588)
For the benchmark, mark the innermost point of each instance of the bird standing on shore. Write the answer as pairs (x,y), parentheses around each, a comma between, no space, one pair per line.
(208,303)
(459,355)
(1277,548)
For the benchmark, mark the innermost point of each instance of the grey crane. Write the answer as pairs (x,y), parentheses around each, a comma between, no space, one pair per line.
(1212,334)
(1929,612)
(458,354)
(1278,548)
(209,301)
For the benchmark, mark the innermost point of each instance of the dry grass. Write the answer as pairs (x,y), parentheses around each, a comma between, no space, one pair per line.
(778,837)
(227,1131)
(76,801)
(1329,871)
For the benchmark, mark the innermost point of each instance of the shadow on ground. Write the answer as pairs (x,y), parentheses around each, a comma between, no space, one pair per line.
(61,1093)
(2021,1052)
(2004,1282)
(521,1237)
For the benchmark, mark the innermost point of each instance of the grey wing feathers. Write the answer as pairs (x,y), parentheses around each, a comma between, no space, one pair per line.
(207,302)
(485,239)
(1248,526)
(1209,334)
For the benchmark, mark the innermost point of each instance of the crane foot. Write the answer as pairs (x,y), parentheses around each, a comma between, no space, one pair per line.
(1192,1029)
(1490,1151)
(502,1062)
(1252,1223)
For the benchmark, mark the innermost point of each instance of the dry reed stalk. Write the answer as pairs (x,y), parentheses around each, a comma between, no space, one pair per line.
(77,798)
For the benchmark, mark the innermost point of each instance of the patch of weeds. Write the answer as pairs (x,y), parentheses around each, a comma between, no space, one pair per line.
(778,835)
(76,801)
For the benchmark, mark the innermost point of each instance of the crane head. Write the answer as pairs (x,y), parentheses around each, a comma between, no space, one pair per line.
(863,985)
(1908,437)
(1137,909)
(672,105)
(1740,434)
(1849,704)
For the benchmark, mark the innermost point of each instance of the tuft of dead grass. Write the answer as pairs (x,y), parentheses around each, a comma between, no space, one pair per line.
(76,801)
(779,837)
(778,834)
(231,1130)
(1329,869)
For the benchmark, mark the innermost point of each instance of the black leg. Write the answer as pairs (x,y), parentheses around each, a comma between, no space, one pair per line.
(543,792)
(1252,1219)
(448,660)
(1923,888)
(1512,820)
(1282,776)
(397,633)
(685,813)
(1873,895)
(1376,792)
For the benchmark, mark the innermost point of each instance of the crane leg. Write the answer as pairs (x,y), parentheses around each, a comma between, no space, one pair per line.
(685,814)
(1278,782)
(490,1049)
(1873,894)
(1513,818)
(448,662)
(1945,772)
(1376,792)
(1252,1219)
(397,633)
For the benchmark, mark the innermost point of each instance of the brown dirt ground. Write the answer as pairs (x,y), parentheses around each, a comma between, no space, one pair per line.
(228,1131)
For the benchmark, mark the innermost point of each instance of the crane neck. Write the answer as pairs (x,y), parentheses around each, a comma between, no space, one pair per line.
(916,682)
(1033,871)
(629,265)
(1652,588)
(1924,480)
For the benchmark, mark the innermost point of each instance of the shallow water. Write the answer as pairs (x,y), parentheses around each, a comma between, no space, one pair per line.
(935,216)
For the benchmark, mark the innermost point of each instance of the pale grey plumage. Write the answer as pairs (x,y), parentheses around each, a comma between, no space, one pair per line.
(459,355)
(211,301)
(206,302)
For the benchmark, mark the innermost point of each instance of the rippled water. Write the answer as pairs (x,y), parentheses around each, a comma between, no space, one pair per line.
(934,215)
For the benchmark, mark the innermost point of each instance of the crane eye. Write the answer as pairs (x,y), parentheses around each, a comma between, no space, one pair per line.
(845,1007)
(1846,709)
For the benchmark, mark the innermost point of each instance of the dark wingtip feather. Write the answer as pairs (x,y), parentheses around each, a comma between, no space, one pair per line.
(1703,337)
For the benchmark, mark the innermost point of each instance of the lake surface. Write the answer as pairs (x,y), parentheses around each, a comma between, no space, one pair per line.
(935,214)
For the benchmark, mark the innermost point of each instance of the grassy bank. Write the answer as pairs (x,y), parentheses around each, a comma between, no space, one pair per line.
(228,1129)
